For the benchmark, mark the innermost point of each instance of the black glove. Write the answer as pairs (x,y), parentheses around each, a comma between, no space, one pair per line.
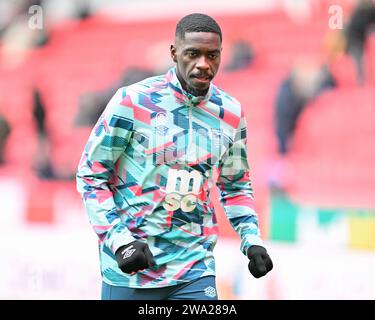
(134,256)
(260,262)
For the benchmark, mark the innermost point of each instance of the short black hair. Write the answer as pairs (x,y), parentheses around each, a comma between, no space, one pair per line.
(197,22)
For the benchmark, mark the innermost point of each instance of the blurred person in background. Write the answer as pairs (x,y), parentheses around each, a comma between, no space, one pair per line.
(16,35)
(307,80)
(92,104)
(14,20)
(13,10)
(242,55)
(304,83)
(4,133)
(147,169)
(42,161)
(356,32)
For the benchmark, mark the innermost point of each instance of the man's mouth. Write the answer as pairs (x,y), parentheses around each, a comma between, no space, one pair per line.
(202,78)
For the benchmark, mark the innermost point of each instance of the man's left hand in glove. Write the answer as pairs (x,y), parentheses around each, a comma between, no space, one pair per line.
(260,262)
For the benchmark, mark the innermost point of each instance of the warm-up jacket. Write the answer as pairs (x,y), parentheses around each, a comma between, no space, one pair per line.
(146,173)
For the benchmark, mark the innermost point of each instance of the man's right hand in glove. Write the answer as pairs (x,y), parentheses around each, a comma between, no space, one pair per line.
(134,256)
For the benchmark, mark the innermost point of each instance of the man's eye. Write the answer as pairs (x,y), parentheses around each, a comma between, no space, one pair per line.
(213,56)
(192,54)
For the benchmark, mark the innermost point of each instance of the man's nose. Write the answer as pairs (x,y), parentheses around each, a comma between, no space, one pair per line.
(202,63)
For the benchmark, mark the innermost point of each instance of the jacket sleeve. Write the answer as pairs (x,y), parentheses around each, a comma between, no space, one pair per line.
(236,192)
(96,171)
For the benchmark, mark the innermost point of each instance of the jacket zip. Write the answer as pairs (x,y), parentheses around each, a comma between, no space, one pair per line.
(190,137)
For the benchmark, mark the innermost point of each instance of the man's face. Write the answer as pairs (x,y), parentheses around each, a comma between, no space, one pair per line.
(198,59)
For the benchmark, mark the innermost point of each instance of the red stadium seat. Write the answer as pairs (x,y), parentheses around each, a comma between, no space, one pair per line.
(332,158)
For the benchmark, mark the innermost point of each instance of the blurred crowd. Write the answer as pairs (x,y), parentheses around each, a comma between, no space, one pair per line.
(17,39)
(307,79)
(311,76)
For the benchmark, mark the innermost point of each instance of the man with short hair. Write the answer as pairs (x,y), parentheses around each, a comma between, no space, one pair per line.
(147,170)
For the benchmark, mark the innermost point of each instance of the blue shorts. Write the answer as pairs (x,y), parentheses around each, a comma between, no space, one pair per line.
(200,289)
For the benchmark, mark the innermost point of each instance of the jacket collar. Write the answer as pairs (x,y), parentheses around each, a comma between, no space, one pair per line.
(183,96)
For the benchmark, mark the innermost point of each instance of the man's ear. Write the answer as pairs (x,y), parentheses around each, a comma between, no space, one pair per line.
(173,53)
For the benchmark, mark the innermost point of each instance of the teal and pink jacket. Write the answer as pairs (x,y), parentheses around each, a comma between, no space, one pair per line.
(146,173)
